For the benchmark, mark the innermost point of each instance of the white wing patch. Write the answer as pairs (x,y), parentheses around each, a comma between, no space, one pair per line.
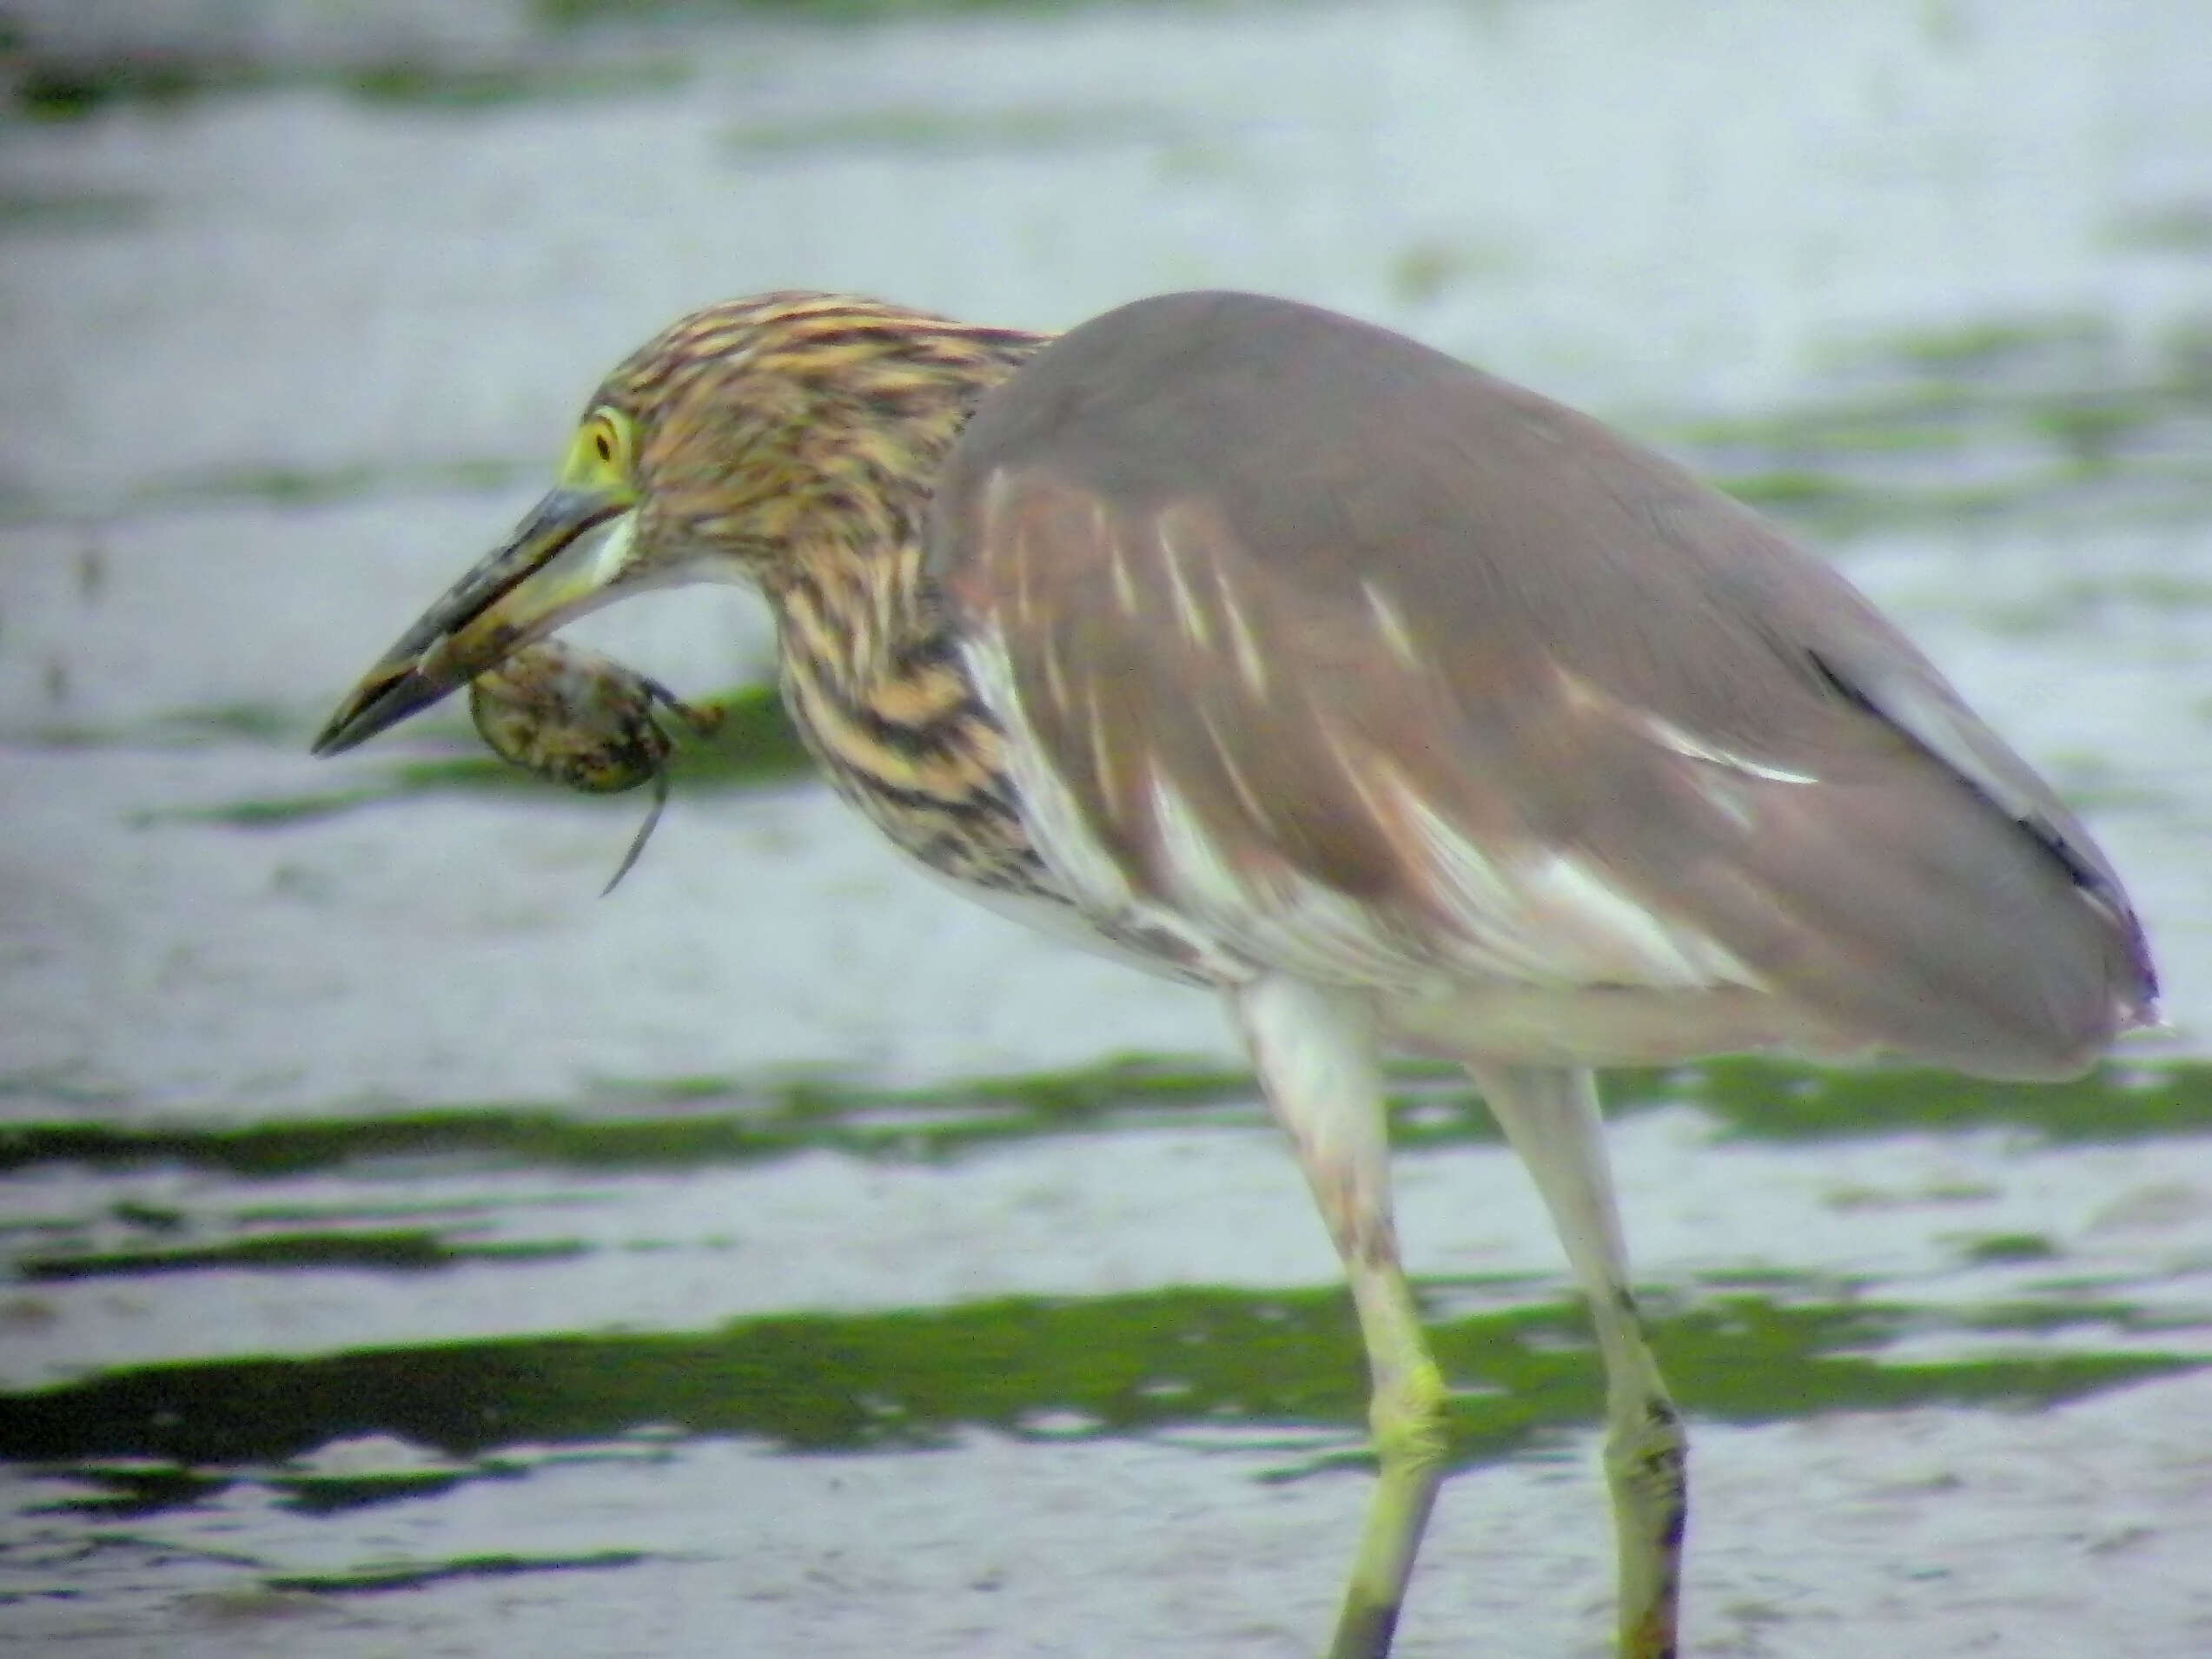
(1528,915)
(1056,823)
(1275,917)
(1251,668)
(1672,736)
(1396,635)
(1255,807)
(1104,913)
(1540,916)
(1723,777)
(1198,878)
(1188,616)
(1600,936)
(1124,589)
(1459,868)
(1102,745)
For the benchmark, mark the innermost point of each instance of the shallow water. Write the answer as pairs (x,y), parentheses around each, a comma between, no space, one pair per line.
(412,1250)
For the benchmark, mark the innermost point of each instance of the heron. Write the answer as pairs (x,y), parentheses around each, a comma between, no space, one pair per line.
(1399,706)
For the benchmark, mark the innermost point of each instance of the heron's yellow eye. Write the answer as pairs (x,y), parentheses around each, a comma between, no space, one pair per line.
(600,457)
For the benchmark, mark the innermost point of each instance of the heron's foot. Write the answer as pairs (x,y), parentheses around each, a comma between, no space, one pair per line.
(1407,1419)
(1646,1465)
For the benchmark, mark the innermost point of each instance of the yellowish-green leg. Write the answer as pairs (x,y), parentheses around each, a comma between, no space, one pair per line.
(1406,1418)
(1550,1117)
(1316,1053)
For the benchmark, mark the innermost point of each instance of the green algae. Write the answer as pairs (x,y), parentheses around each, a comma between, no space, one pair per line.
(2003,420)
(1149,1363)
(417,85)
(694,1121)
(411,1250)
(1777,1101)
(927,130)
(417,1575)
(80,87)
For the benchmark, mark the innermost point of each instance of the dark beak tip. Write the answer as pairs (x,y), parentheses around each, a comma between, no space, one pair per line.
(332,740)
(345,730)
(380,702)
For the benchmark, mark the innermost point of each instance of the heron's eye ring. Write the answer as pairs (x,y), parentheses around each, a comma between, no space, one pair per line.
(604,445)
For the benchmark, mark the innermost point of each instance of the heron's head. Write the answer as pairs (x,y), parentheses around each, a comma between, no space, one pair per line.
(742,444)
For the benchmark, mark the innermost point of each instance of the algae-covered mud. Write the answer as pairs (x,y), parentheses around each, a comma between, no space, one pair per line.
(410,1251)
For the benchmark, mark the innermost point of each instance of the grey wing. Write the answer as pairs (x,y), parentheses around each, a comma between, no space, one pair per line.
(1405,672)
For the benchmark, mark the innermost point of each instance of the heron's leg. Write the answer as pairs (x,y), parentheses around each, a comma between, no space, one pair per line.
(1316,1053)
(1550,1115)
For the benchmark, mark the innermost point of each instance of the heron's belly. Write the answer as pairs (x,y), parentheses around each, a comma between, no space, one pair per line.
(1607,1025)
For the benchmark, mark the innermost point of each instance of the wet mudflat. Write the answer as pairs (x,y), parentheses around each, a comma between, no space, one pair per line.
(412,1252)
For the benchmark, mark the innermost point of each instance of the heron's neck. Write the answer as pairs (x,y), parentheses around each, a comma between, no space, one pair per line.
(870,665)
(852,604)
(874,678)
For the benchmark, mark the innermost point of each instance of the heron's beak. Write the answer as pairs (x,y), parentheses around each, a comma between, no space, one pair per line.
(566,557)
